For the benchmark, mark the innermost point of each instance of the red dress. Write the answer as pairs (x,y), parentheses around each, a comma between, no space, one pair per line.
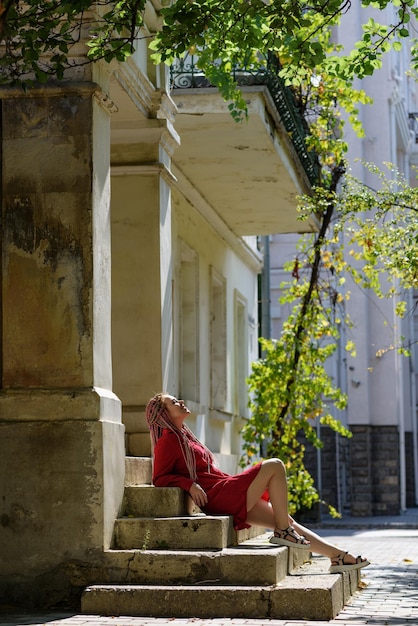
(227,495)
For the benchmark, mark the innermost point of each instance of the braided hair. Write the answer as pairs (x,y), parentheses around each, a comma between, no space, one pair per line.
(158,419)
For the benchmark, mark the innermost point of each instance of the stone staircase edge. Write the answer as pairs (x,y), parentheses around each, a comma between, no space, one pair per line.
(282,601)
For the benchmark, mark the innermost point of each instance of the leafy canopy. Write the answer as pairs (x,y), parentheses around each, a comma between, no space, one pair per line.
(41,38)
(240,33)
(44,38)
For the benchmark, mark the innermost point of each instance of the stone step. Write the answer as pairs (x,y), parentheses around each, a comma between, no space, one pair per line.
(185,559)
(150,501)
(199,532)
(248,581)
(138,444)
(141,499)
(308,596)
(243,565)
(195,532)
(145,503)
(138,470)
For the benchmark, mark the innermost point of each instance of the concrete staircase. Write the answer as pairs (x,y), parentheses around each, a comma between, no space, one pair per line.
(170,560)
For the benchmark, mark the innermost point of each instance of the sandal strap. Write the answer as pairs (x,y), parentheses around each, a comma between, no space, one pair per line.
(284,533)
(339,560)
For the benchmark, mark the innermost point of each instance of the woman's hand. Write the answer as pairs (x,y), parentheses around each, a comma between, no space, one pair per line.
(198,495)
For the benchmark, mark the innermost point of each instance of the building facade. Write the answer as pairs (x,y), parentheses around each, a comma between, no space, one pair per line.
(376,471)
(130,214)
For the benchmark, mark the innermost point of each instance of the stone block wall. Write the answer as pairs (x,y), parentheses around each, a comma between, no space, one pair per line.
(385,470)
(374,464)
(327,465)
(360,471)
(409,463)
(363,475)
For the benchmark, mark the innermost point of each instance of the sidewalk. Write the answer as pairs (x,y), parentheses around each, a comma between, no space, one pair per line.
(407,520)
(390,584)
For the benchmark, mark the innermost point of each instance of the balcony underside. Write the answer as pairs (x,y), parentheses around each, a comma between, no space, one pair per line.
(248,172)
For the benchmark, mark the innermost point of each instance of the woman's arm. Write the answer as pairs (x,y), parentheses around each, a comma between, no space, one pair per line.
(198,495)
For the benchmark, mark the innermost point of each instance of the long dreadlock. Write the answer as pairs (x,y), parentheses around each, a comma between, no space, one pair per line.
(158,418)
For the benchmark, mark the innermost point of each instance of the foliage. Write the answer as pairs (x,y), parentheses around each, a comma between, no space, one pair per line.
(231,33)
(370,235)
(382,227)
(359,235)
(290,384)
(41,38)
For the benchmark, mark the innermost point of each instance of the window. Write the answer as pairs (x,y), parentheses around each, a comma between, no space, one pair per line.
(189,324)
(241,355)
(218,384)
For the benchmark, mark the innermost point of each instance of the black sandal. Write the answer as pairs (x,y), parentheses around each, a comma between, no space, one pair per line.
(280,538)
(338,565)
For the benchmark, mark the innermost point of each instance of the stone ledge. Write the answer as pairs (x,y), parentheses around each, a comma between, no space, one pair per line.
(316,597)
(232,566)
(138,471)
(197,532)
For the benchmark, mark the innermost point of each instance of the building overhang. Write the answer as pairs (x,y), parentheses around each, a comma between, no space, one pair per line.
(249,171)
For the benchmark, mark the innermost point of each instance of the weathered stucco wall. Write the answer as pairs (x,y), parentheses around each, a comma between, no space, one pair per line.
(61,437)
(136,293)
(47,262)
(51,505)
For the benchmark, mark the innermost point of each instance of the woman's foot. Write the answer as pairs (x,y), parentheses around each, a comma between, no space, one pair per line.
(289,537)
(346,562)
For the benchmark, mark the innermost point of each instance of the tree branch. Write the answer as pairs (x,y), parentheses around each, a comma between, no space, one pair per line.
(337,174)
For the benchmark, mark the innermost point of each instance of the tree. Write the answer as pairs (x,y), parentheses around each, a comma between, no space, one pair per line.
(39,37)
(291,390)
(240,33)
(290,386)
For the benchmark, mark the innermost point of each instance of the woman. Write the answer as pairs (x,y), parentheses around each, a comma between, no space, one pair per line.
(257,496)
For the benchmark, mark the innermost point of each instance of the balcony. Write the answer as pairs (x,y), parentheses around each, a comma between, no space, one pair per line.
(249,172)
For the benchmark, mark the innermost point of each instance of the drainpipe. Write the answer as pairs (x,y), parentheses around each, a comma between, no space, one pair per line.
(264,305)
(398,364)
(401,414)
(265,289)
(414,414)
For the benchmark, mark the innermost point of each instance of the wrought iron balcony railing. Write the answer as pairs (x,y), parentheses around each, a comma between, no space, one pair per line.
(184,74)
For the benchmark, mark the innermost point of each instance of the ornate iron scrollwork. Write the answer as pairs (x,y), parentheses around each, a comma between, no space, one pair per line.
(184,74)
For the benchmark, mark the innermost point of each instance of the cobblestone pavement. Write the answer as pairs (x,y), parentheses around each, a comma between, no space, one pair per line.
(389,595)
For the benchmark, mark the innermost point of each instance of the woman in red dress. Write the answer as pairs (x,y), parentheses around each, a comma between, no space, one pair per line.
(256,496)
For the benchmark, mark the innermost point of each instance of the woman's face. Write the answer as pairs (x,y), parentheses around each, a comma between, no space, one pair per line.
(176,410)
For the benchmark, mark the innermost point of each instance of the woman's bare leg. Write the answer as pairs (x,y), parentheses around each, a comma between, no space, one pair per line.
(262,514)
(321,546)
(272,477)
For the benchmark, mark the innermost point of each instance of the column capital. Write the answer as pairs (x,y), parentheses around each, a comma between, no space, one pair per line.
(58,405)
(50,90)
(105,101)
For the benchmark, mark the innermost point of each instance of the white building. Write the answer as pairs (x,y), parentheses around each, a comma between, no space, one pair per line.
(376,472)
